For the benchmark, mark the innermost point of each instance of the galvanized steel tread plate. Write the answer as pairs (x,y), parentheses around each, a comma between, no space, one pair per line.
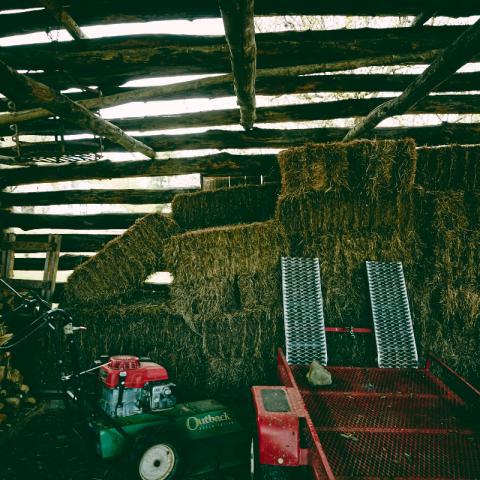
(391,315)
(303,311)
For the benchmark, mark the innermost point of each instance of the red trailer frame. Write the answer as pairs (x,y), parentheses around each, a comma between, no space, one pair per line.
(371,423)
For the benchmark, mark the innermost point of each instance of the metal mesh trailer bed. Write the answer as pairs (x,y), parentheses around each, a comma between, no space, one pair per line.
(371,423)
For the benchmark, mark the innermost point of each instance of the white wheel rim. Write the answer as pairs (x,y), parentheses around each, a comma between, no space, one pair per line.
(252,459)
(157,462)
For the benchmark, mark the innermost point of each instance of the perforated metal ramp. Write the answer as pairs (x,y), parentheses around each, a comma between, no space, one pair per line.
(391,315)
(303,311)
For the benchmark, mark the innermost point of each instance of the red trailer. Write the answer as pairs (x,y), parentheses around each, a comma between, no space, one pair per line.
(370,423)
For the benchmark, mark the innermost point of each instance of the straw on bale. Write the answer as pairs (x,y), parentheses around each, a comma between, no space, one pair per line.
(226,206)
(318,212)
(454,329)
(220,357)
(343,273)
(226,269)
(225,251)
(369,168)
(124,263)
(449,168)
(450,226)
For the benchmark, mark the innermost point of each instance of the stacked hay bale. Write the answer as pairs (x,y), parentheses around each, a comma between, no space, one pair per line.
(220,328)
(226,286)
(123,264)
(450,221)
(147,329)
(225,206)
(452,168)
(346,203)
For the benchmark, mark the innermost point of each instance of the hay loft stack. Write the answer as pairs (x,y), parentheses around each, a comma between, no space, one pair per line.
(224,313)
(407,192)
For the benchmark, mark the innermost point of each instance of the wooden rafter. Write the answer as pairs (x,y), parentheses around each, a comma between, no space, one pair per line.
(439,104)
(16,86)
(264,138)
(423,18)
(63,17)
(149,93)
(445,65)
(101,12)
(115,60)
(240,33)
(281,85)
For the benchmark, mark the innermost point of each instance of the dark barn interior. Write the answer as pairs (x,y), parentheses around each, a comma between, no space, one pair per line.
(157,160)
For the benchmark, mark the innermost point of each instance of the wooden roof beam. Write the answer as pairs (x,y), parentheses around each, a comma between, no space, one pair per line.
(422,18)
(16,86)
(63,17)
(150,93)
(443,67)
(240,34)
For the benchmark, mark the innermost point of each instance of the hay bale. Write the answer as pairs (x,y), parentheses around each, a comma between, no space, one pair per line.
(225,251)
(226,269)
(343,273)
(226,206)
(123,264)
(220,295)
(449,223)
(145,329)
(449,168)
(220,357)
(370,168)
(317,212)
(453,330)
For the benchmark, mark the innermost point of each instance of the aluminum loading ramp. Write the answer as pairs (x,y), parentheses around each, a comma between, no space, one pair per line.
(391,315)
(303,311)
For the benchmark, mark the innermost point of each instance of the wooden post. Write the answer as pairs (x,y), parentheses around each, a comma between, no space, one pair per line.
(240,33)
(8,256)
(63,17)
(18,87)
(446,63)
(51,266)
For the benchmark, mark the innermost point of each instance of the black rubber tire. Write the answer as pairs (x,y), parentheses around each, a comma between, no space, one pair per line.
(166,448)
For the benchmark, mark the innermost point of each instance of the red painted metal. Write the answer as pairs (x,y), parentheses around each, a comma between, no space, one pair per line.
(348,330)
(138,373)
(472,390)
(386,423)
(278,432)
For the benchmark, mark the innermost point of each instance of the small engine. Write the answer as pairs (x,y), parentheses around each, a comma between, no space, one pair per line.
(131,387)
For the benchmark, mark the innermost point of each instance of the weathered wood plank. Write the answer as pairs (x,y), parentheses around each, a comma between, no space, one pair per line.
(102,12)
(219,164)
(240,34)
(117,59)
(71,242)
(267,138)
(66,262)
(149,93)
(62,16)
(439,104)
(104,221)
(279,85)
(131,196)
(446,64)
(15,85)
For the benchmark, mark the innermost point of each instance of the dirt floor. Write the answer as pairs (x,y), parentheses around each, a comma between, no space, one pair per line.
(48,449)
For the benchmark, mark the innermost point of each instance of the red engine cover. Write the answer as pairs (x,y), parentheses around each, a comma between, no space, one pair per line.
(138,373)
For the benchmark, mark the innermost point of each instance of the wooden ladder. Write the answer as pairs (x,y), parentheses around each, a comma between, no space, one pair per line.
(9,245)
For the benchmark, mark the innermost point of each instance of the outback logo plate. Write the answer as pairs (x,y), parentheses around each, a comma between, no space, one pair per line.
(209,421)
